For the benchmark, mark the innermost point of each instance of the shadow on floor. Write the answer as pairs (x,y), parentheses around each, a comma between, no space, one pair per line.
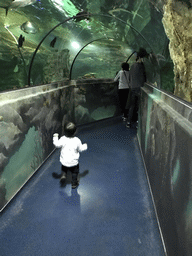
(69,177)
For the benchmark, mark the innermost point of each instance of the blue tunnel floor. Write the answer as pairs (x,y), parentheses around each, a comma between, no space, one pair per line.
(110,213)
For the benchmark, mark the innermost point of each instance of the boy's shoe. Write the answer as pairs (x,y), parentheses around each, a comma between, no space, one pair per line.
(63,178)
(128,125)
(75,185)
(124,118)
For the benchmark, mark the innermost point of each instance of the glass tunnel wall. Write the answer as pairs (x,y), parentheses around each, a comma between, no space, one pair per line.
(165,137)
(95,57)
(131,24)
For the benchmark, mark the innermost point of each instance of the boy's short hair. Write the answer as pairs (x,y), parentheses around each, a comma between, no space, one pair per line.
(125,66)
(69,129)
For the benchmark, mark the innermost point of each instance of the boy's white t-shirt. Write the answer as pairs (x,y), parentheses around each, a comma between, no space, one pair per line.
(70,148)
(123,78)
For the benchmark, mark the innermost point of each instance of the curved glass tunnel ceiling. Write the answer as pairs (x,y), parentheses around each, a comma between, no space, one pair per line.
(111,32)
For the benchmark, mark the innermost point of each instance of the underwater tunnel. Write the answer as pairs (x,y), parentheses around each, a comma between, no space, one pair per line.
(58,61)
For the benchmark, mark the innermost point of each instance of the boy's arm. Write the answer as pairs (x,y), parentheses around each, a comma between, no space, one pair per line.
(82,147)
(117,77)
(56,142)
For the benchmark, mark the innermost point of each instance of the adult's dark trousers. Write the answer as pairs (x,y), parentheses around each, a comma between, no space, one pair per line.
(74,172)
(132,104)
(123,95)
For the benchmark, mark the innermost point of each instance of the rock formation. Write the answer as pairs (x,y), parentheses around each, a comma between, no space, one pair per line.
(177,21)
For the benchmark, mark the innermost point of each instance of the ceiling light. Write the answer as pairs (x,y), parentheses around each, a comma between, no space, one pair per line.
(75,45)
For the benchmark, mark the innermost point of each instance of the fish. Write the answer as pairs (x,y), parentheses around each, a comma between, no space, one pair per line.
(14,4)
(52,44)
(21,3)
(16,69)
(20,41)
(29,27)
(83,15)
(5,5)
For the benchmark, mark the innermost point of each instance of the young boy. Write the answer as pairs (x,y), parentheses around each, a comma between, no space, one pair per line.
(123,87)
(70,152)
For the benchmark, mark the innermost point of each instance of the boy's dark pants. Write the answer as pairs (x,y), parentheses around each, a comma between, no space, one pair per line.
(74,171)
(123,95)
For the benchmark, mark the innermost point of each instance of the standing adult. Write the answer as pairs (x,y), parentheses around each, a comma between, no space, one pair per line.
(123,87)
(137,76)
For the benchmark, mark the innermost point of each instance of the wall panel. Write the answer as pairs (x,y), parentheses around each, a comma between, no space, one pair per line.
(165,137)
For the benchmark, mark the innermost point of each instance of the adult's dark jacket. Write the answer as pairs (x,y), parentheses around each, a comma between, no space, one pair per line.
(137,75)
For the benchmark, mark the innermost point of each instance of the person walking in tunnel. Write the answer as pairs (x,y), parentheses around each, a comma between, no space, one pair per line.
(123,87)
(71,147)
(137,76)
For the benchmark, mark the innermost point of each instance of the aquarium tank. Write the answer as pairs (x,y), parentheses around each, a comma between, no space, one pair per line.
(45,41)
